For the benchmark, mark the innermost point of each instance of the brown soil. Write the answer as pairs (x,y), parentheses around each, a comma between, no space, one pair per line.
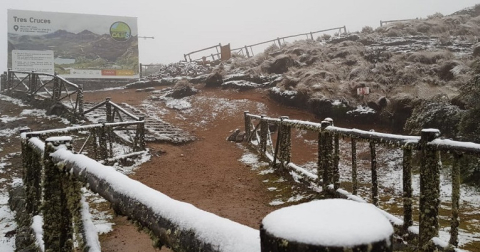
(206,172)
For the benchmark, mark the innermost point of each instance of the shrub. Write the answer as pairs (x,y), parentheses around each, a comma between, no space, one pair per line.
(429,57)
(367,30)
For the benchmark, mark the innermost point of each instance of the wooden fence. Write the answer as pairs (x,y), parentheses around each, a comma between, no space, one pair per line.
(395,21)
(57,197)
(248,49)
(49,88)
(428,146)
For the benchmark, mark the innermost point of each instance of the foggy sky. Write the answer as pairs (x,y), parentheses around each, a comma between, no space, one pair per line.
(182,26)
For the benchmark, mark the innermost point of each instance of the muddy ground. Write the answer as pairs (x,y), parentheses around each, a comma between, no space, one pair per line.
(207,172)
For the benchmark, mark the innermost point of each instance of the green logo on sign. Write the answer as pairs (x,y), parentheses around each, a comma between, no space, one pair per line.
(120,31)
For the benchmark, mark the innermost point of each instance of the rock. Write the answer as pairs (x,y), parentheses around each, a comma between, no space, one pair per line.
(278,65)
(445,71)
(399,110)
(57,109)
(240,137)
(476,50)
(214,80)
(233,136)
(439,114)
(182,89)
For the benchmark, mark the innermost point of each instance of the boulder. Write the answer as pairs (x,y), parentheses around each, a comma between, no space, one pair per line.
(214,80)
(437,113)
(183,91)
(476,50)
(236,136)
(278,65)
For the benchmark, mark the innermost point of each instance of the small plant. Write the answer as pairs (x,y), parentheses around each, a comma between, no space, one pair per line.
(367,30)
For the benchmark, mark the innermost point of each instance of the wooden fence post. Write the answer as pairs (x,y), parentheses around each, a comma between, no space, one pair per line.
(56,89)
(10,76)
(429,190)
(57,224)
(108,109)
(407,187)
(3,81)
(80,100)
(248,125)
(139,141)
(325,155)
(285,142)
(290,236)
(336,161)
(246,50)
(32,85)
(263,135)
(373,164)
(32,175)
(94,134)
(455,199)
(102,142)
(354,167)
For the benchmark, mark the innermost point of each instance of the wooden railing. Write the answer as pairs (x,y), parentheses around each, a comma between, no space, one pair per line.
(213,55)
(428,146)
(248,49)
(395,21)
(45,87)
(57,197)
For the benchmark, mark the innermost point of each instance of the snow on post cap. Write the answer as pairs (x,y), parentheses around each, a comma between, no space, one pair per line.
(59,139)
(329,222)
(436,131)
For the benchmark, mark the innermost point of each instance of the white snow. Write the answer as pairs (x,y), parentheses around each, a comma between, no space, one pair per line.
(12,100)
(37,227)
(59,139)
(362,110)
(5,118)
(91,232)
(179,104)
(276,202)
(220,232)
(7,223)
(330,222)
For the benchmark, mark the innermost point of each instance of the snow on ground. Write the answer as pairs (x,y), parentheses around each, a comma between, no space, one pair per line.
(7,223)
(12,100)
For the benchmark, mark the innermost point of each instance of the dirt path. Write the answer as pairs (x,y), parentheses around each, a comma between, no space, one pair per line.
(206,172)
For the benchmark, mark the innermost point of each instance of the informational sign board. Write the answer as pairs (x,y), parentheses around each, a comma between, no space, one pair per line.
(73,45)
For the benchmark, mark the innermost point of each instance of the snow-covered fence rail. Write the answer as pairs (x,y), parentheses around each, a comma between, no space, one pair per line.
(101,137)
(428,147)
(178,225)
(50,89)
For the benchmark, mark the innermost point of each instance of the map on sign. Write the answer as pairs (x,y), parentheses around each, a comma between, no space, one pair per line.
(73,45)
